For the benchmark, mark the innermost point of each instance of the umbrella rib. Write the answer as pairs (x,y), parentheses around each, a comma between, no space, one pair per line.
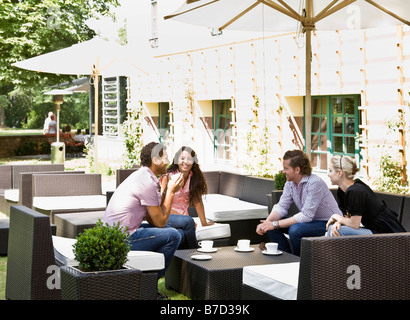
(290,9)
(177,14)
(336,8)
(318,16)
(388,12)
(291,13)
(239,16)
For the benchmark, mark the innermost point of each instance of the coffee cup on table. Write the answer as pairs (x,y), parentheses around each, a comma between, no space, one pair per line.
(271,247)
(243,244)
(206,244)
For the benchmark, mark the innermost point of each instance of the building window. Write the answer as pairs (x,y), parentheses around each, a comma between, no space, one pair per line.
(163,122)
(335,122)
(221,115)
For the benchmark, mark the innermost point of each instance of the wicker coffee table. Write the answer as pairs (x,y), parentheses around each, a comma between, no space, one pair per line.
(219,278)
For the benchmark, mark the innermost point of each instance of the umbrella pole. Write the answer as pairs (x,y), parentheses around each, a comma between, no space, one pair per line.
(308,28)
(96,79)
(58,123)
(308,100)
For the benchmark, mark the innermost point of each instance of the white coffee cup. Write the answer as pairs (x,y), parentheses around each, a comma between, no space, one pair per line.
(271,247)
(243,244)
(206,244)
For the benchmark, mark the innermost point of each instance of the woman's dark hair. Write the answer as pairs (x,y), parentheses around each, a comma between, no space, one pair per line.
(197,186)
(299,159)
(149,151)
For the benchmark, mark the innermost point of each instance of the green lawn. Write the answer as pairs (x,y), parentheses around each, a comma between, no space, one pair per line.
(19,132)
(3,266)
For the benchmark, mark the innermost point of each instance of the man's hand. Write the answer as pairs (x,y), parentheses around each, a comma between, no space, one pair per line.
(264,227)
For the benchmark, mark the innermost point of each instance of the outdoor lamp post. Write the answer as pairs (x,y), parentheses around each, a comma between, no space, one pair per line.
(58,148)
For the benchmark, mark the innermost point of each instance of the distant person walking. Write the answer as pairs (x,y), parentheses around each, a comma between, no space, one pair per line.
(47,122)
(52,125)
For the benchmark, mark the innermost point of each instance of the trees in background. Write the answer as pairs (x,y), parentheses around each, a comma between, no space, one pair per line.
(30,28)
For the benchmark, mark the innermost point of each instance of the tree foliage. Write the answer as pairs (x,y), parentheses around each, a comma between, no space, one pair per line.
(30,28)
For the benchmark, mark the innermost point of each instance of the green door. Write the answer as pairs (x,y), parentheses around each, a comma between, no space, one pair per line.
(335,122)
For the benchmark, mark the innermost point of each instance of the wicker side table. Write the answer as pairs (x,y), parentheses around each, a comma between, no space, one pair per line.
(219,278)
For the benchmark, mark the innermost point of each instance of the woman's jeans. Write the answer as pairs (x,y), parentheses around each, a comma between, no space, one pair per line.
(164,240)
(186,227)
(296,232)
(347,231)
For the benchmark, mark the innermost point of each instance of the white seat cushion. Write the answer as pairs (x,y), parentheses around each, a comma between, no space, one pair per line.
(70,202)
(11,195)
(221,208)
(216,231)
(142,260)
(278,280)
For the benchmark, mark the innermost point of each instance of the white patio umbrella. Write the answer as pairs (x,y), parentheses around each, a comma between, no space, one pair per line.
(94,57)
(284,15)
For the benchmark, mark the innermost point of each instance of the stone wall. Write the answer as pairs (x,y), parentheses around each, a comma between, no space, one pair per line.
(8,144)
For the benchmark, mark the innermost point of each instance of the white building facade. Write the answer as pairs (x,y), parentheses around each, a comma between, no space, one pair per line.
(238,98)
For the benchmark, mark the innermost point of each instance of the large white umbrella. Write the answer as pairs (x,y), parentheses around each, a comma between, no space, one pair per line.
(94,57)
(283,15)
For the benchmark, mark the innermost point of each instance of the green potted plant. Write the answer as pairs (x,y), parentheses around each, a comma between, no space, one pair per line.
(280,180)
(101,253)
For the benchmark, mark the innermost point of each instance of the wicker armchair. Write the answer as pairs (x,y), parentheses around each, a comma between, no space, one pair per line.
(30,253)
(372,267)
(381,262)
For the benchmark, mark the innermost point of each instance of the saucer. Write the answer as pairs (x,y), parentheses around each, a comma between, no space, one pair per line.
(201,257)
(209,251)
(272,253)
(246,250)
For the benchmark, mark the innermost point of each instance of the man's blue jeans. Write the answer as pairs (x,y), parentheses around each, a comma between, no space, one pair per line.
(164,240)
(296,232)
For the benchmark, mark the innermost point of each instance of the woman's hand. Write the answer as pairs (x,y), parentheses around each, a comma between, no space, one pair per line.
(176,183)
(334,229)
(333,219)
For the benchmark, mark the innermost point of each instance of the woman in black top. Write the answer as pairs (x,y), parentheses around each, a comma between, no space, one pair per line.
(358,203)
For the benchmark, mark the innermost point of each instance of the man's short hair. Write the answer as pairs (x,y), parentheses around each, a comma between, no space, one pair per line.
(299,159)
(150,151)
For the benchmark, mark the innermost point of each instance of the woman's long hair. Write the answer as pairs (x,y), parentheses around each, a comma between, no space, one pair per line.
(197,186)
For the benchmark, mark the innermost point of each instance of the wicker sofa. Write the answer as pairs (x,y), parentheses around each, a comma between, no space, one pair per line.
(57,193)
(10,181)
(373,267)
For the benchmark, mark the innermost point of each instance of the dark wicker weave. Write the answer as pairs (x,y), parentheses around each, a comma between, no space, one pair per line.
(4,235)
(103,285)
(219,278)
(30,253)
(383,261)
(55,185)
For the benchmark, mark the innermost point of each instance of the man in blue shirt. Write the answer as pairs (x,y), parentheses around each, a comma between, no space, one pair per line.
(311,196)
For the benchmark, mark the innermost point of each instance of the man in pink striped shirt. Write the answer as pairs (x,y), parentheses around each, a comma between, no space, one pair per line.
(311,196)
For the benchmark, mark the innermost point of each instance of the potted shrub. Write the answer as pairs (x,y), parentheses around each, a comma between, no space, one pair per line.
(280,180)
(101,253)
